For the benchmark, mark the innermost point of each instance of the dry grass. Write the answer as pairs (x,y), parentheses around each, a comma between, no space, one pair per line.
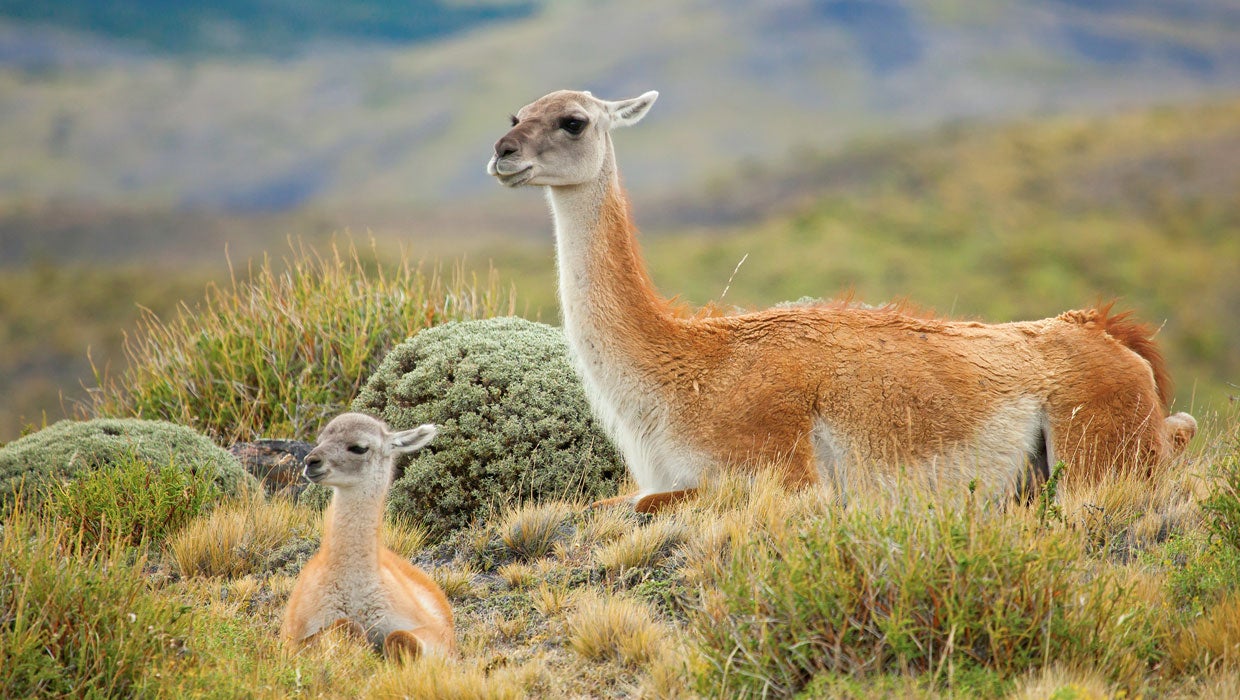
(236,538)
(404,536)
(457,583)
(602,525)
(516,574)
(614,628)
(436,678)
(550,600)
(1212,640)
(1064,684)
(531,530)
(642,547)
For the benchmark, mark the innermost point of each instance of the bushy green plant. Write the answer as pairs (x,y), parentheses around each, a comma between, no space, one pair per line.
(513,421)
(912,590)
(1222,507)
(69,449)
(132,502)
(79,621)
(1204,565)
(276,354)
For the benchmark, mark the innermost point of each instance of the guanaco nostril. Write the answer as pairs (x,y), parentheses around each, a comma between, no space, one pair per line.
(505,147)
(313,462)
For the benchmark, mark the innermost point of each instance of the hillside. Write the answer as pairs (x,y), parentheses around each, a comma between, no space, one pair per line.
(348,128)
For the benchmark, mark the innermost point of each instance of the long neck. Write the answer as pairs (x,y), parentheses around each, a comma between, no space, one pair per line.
(606,294)
(352,529)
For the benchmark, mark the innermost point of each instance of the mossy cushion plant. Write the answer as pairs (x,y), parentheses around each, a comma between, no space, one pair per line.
(513,421)
(70,448)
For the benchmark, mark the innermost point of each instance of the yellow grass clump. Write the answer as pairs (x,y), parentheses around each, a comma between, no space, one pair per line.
(236,538)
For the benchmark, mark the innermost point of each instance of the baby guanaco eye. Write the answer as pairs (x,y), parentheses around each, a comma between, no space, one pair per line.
(514,119)
(573,125)
(359,449)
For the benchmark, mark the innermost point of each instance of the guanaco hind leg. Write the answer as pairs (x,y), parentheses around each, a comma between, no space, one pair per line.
(650,503)
(655,502)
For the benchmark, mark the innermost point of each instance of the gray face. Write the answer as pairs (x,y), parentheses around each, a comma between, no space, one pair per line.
(356,449)
(562,139)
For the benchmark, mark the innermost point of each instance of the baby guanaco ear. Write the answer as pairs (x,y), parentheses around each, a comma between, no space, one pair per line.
(412,440)
(629,112)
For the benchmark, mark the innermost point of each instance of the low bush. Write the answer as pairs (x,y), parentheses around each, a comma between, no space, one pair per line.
(133,502)
(513,422)
(69,449)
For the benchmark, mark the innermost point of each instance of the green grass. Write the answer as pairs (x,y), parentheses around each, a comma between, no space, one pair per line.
(80,618)
(132,501)
(918,590)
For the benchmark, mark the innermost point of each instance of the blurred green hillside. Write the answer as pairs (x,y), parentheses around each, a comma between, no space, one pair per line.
(349,127)
(1005,222)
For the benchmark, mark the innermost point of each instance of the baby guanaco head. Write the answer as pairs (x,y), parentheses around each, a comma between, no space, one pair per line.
(356,449)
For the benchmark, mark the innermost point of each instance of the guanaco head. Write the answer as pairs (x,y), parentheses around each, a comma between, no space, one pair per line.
(563,138)
(355,449)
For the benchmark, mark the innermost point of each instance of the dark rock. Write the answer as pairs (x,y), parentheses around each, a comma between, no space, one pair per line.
(277,464)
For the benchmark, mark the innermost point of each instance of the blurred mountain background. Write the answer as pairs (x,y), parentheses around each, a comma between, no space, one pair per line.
(997,159)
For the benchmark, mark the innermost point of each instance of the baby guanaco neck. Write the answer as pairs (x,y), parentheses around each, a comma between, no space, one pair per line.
(352,529)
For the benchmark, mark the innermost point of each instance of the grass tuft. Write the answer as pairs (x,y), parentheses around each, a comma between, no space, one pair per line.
(530,531)
(614,628)
(457,583)
(279,352)
(437,678)
(239,537)
(403,535)
(642,547)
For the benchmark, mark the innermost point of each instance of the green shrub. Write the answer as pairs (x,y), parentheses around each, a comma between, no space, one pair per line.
(513,421)
(1204,565)
(133,502)
(278,354)
(79,621)
(1222,507)
(69,449)
(915,590)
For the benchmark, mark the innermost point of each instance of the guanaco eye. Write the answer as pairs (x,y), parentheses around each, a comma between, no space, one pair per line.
(573,125)
(514,119)
(359,449)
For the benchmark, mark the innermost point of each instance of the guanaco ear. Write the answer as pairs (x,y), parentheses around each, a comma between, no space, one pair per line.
(412,440)
(629,112)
